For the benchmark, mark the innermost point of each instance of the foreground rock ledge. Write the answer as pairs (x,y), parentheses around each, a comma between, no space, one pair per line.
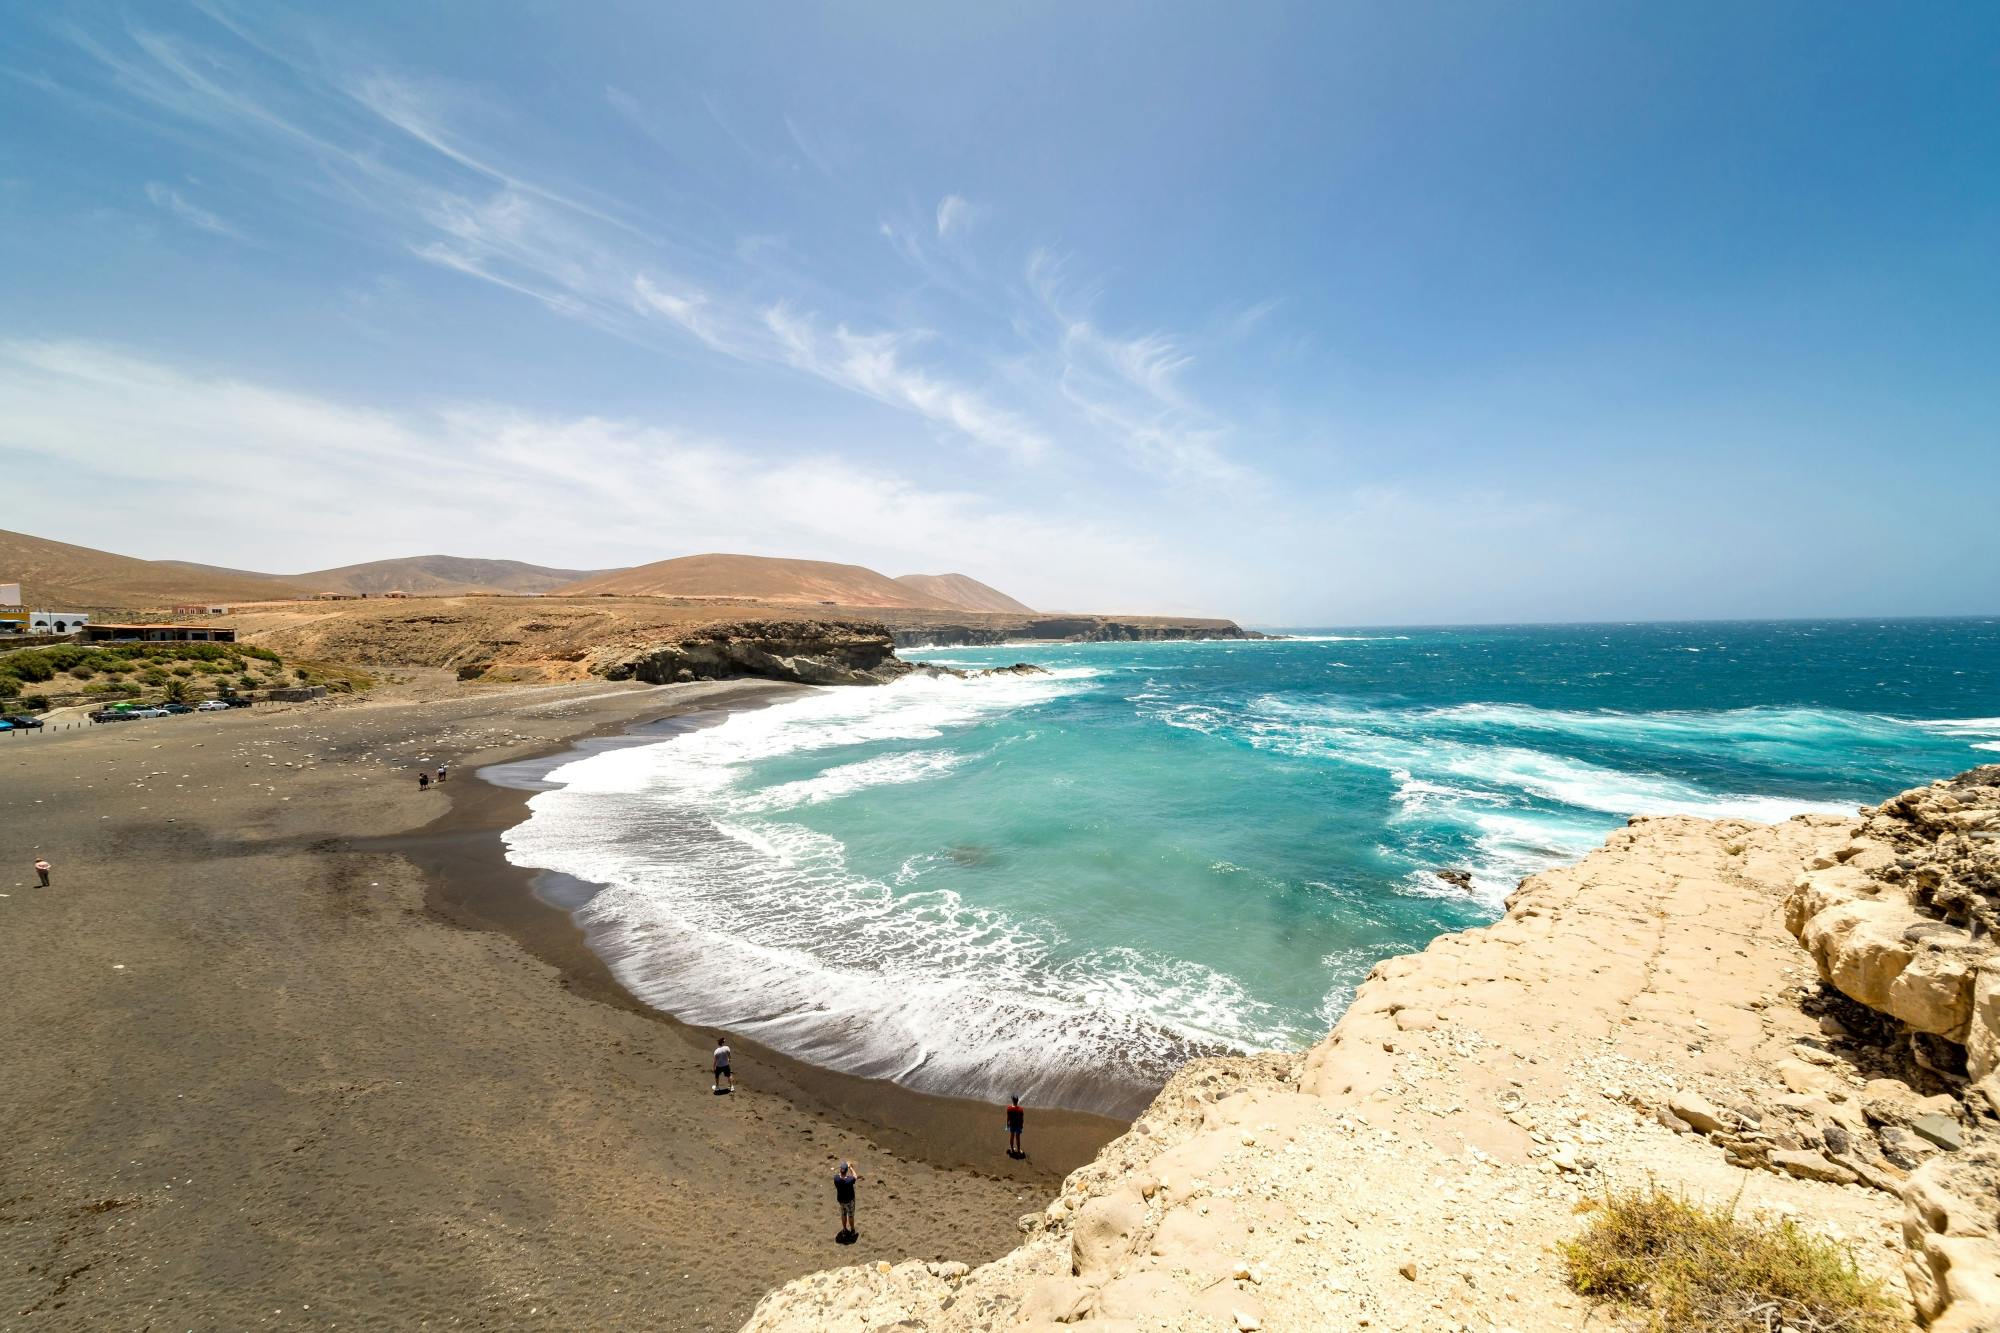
(1642,1015)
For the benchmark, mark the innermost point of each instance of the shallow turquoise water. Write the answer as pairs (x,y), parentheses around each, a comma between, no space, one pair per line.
(1059,885)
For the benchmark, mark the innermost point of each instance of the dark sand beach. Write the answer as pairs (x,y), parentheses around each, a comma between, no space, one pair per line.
(288,1043)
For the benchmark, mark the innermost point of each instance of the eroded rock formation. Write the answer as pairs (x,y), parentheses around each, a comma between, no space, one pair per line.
(1900,917)
(804,652)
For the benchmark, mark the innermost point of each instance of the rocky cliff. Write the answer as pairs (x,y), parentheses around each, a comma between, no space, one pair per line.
(805,652)
(1899,915)
(1642,1015)
(808,652)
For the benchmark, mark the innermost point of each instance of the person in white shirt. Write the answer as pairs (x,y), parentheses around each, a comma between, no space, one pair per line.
(724,1080)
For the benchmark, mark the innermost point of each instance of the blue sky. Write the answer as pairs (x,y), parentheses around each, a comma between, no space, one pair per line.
(1304,314)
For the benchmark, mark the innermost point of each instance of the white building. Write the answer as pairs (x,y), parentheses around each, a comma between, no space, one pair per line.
(10,594)
(56,622)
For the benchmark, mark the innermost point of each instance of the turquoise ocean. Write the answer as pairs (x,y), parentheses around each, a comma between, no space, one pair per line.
(1061,885)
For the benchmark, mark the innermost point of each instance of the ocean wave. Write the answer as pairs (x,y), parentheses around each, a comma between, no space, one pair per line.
(847,779)
(717,908)
(1336,638)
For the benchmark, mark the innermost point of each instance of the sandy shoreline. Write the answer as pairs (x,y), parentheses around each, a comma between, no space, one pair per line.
(472,883)
(291,1044)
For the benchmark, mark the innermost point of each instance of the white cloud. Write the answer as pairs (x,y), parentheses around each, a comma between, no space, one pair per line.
(219,469)
(953,214)
(443,175)
(872,364)
(170,200)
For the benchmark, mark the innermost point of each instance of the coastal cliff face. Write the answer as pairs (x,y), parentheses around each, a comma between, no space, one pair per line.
(1641,1016)
(806,652)
(1899,916)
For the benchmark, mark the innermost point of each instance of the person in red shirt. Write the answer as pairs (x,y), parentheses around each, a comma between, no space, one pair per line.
(1017,1116)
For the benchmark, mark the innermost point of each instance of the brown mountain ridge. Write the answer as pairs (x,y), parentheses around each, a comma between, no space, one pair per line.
(57,574)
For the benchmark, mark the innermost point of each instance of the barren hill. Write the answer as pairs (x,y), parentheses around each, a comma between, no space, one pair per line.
(442,575)
(961,591)
(56,575)
(761,577)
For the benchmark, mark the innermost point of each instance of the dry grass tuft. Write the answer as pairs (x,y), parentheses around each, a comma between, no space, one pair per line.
(1686,1267)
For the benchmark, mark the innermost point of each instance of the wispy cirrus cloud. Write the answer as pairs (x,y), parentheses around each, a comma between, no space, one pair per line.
(423,162)
(169,200)
(954,213)
(1129,387)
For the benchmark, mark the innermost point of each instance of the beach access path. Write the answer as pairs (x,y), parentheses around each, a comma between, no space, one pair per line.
(286,1043)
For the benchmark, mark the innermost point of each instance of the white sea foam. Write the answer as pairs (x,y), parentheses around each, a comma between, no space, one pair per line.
(1336,638)
(1527,806)
(713,907)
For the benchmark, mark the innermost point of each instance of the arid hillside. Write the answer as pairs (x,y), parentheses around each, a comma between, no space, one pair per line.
(962,591)
(58,576)
(799,582)
(442,575)
(566,638)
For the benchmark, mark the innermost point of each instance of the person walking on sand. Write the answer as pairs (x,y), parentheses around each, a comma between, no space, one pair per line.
(724,1080)
(42,869)
(442,770)
(844,1181)
(424,781)
(1017,1116)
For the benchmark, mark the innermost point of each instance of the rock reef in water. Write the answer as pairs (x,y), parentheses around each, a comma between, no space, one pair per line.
(1641,1016)
(804,652)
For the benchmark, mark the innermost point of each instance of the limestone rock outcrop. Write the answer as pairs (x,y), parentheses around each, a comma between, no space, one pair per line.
(1901,916)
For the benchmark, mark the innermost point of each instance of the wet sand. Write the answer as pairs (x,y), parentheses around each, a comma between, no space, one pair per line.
(289,1044)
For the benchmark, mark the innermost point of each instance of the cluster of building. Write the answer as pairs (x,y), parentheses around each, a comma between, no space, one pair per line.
(15,618)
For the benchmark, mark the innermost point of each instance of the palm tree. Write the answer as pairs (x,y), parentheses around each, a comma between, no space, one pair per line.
(177,690)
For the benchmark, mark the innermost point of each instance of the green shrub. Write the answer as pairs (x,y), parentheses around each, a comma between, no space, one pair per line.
(9,688)
(1686,1267)
(30,665)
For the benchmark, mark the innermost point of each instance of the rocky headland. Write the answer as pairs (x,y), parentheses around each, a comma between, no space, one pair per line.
(930,630)
(803,652)
(1644,1015)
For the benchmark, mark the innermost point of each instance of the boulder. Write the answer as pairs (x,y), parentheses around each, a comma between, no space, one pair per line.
(1811,1166)
(1697,1111)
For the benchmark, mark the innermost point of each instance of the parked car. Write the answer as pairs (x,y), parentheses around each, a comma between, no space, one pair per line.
(238,701)
(114,715)
(175,709)
(5,725)
(22,720)
(146,712)
(212,706)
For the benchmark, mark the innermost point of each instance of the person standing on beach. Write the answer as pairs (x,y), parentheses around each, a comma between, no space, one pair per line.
(1017,1116)
(442,770)
(424,781)
(722,1074)
(42,869)
(844,1181)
